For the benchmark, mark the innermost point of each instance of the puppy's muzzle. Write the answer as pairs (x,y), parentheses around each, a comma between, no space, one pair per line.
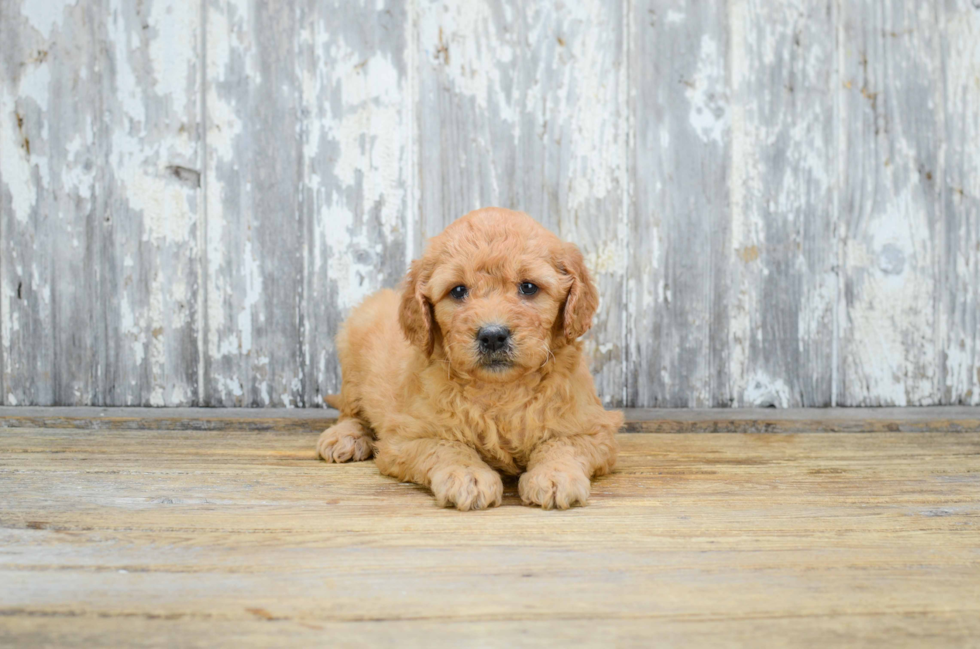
(494,342)
(493,339)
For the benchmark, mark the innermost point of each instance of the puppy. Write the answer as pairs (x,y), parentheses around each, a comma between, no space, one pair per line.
(475,368)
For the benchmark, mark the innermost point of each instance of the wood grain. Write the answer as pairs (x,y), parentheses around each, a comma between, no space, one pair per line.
(960,252)
(939,419)
(780,201)
(358,167)
(783,180)
(242,537)
(53,203)
(891,201)
(255,231)
(894,628)
(151,262)
(680,234)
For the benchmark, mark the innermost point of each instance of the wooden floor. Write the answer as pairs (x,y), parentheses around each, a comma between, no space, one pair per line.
(120,534)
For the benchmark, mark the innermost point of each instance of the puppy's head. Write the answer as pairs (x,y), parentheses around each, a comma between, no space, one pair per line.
(497,293)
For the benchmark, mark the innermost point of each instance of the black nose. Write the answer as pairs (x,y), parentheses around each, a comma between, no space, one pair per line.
(493,338)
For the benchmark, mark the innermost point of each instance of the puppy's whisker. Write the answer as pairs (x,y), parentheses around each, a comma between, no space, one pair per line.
(449,369)
(449,365)
(550,356)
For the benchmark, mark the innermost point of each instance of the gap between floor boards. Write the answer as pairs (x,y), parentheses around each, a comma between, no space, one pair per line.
(940,419)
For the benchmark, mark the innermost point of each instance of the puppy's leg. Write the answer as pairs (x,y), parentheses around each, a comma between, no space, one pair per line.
(559,470)
(453,471)
(346,440)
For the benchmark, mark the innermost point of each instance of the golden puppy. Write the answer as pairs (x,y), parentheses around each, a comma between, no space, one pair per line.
(475,367)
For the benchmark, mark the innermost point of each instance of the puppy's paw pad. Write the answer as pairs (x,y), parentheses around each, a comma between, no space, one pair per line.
(345,443)
(467,488)
(554,488)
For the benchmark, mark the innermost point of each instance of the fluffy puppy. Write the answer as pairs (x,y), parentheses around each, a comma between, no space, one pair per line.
(475,368)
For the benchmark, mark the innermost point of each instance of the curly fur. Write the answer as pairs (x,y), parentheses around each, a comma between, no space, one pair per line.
(416,393)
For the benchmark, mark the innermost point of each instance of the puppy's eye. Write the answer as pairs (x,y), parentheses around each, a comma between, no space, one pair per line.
(458,292)
(527,288)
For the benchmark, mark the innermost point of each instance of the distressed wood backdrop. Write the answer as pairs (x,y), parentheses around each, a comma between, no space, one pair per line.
(780,198)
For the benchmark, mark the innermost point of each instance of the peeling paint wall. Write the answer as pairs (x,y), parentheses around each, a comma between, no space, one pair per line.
(780,201)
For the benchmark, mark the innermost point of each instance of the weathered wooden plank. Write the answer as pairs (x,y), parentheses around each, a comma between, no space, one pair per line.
(960,251)
(932,419)
(3,196)
(891,204)
(782,189)
(52,201)
(681,231)
(93,285)
(524,105)
(358,166)
(151,260)
(822,536)
(255,230)
(200,419)
(638,420)
(265,628)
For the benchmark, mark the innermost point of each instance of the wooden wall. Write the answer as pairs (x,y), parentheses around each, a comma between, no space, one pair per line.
(780,199)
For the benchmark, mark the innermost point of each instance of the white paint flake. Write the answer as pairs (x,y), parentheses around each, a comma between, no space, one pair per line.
(708,93)
(45,15)
(763,391)
(15,165)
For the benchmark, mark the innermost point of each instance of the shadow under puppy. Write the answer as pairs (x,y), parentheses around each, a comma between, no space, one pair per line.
(475,367)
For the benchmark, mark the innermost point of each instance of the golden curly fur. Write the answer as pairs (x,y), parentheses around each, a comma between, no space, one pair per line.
(438,409)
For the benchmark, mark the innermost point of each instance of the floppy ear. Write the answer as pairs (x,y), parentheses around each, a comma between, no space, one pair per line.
(415,312)
(583,298)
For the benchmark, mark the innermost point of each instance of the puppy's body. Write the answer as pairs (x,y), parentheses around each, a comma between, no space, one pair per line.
(446,407)
(399,393)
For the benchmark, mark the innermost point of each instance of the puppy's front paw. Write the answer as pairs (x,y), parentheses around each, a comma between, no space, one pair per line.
(554,487)
(467,488)
(347,440)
